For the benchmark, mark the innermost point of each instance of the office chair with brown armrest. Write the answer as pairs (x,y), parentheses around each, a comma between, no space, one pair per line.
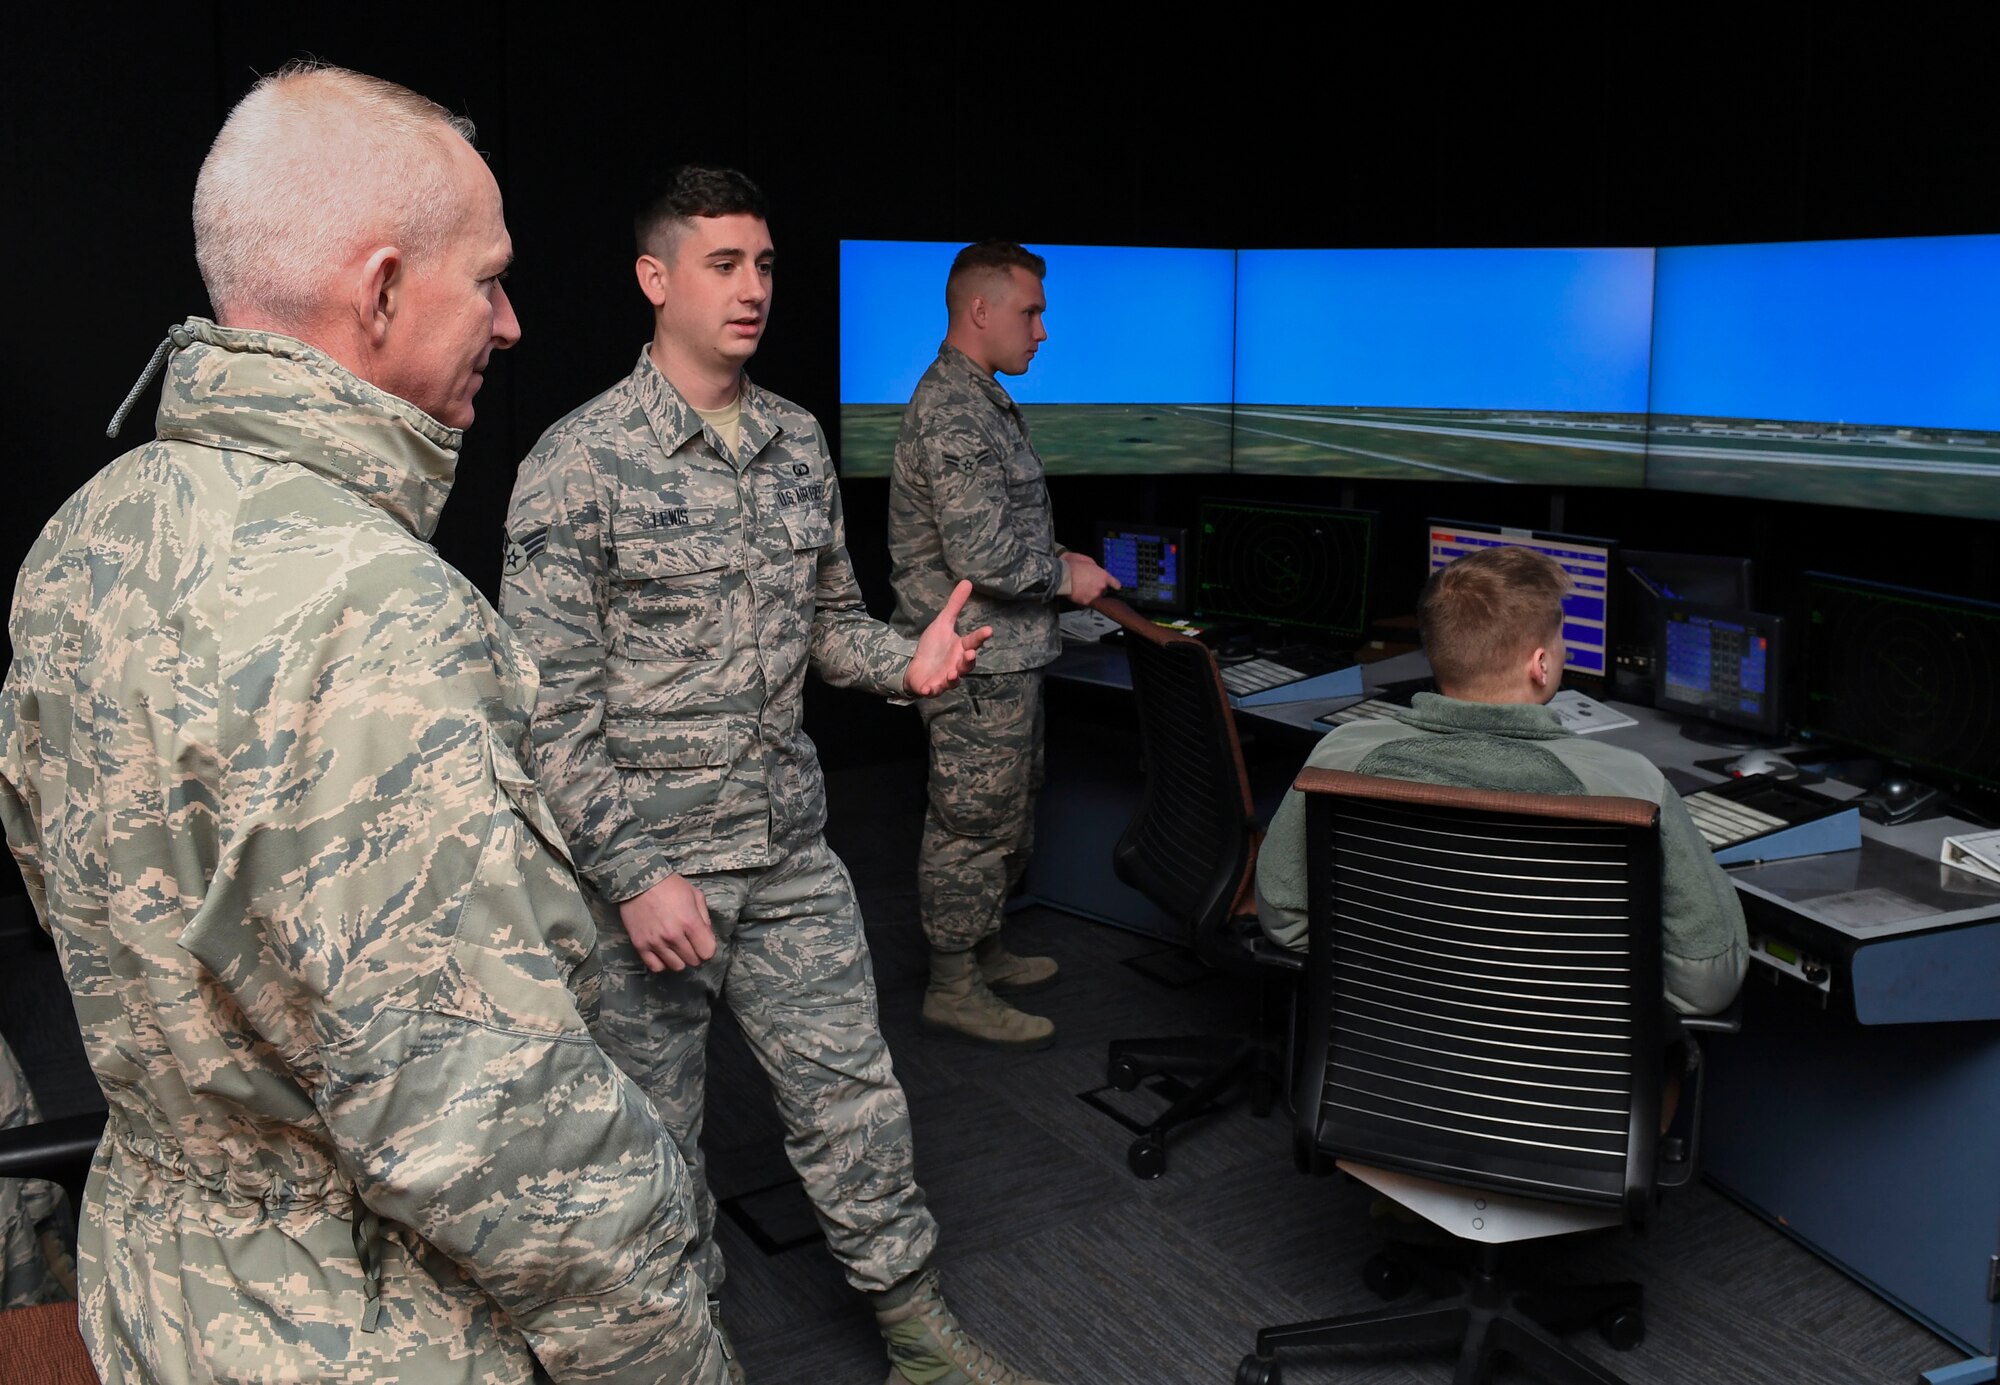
(1483,1039)
(41,1343)
(1192,849)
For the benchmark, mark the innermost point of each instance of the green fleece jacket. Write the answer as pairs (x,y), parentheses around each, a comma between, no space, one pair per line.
(1523,748)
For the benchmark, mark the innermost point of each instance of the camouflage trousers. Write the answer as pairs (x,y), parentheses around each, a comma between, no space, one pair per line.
(793,968)
(985,769)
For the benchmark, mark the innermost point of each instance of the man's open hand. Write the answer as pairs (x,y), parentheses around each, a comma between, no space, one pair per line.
(943,655)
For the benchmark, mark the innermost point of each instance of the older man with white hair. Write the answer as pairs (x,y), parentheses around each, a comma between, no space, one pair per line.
(261,765)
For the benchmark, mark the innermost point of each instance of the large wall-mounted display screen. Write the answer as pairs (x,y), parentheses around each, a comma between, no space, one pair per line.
(1134,376)
(1486,365)
(1862,372)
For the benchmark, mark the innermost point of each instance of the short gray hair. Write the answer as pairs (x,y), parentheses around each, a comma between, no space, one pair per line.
(314,161)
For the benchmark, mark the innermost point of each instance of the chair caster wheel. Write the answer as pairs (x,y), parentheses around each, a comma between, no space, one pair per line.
(1147,1156)
(1123,1074)
(1384,1277)
(1623,1328)
(1257,1370)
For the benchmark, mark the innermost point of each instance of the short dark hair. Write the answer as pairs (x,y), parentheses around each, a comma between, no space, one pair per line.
(1488,609)
(985,257)
(695,190)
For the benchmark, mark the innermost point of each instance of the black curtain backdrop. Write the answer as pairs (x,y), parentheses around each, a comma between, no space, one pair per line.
(1231,128)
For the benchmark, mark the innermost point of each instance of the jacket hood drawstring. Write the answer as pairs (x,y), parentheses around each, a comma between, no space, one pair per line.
(177,338)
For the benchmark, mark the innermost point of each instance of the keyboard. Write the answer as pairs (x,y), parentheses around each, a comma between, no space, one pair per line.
(1724,822)
(1085,625)
(1255,675)
(1374,709)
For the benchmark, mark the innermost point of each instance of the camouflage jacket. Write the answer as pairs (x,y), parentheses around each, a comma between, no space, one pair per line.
(967,500)
(261,752)
(674,596)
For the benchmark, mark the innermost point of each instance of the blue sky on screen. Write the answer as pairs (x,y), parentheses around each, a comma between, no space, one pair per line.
(1902,331)
(1127,325)
(1445,329)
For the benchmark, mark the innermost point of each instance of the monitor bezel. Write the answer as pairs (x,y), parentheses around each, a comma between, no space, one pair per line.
(1182,605)
(1303,507)
(1777,657)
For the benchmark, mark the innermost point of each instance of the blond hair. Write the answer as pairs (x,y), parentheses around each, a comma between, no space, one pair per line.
(313,164)
(1488,611)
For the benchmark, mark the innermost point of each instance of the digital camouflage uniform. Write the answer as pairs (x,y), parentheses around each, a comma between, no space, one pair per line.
(675,596)
(262,756)
(967,501)
(32,1211)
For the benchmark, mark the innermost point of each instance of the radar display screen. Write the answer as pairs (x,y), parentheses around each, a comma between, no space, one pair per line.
(1304,566)
(1904,674)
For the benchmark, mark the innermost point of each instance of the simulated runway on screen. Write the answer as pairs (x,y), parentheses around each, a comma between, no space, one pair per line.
(1952,471)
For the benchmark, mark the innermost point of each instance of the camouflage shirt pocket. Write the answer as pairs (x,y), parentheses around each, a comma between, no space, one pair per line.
(667,590)
(672,772)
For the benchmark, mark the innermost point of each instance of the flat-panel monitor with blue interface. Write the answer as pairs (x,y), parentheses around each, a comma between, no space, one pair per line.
(1587,608)
(1846,372)
(1134,376)
(1720,664)
(1150,563)
(1304,568)
(1446,364)
(1906,675)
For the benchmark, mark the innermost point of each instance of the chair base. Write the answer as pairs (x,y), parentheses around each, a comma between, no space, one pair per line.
(1489,1316)
(1218,1063)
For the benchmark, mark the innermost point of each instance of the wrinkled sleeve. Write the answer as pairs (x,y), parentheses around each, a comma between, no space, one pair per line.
(850,648)
(971,501)
(554,594)
(1704,941)
(392,865)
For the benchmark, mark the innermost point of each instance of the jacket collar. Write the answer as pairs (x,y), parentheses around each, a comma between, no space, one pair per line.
(278,398)
(955,362)
(1522,720)
(675,421)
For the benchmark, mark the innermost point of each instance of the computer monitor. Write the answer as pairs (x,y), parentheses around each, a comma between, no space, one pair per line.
(1653,577)
(1444,364)
(1844,372)
(1720,664)
(1907,675)
(1149,561)
(1586,610)
(1302,567)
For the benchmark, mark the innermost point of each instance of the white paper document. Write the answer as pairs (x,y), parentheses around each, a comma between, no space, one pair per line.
(1584,715)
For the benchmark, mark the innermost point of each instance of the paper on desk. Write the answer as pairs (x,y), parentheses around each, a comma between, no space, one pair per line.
(1584,715)
(1976,852)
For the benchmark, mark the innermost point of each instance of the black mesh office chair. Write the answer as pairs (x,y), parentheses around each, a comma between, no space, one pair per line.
(1192,849)
(1483,1043)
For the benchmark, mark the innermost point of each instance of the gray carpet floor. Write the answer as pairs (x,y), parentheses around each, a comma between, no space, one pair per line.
(1054,1252)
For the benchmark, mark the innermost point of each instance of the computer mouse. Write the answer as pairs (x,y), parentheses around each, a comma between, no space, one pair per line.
(1762,762)
(1895,790)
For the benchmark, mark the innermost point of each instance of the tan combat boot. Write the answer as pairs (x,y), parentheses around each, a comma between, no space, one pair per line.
(1010,975)
(928,1347)
(959,1003)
